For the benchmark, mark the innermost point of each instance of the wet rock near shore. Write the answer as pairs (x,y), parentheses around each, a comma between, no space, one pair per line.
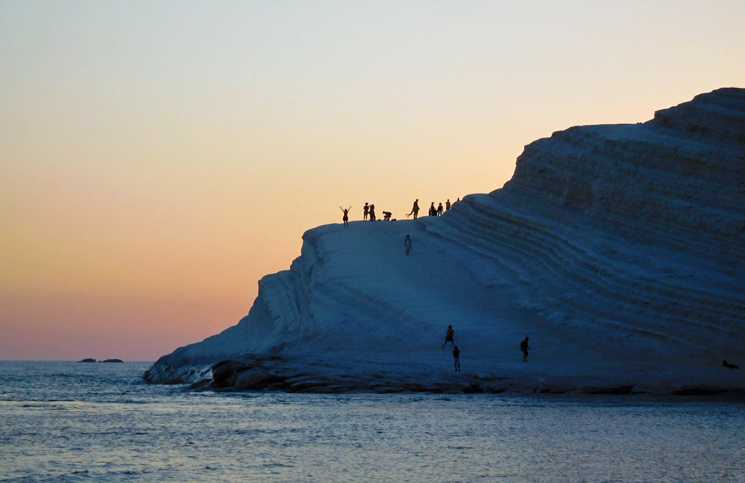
(232,375)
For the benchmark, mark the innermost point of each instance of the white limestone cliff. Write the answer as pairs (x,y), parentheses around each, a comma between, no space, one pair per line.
(618,249)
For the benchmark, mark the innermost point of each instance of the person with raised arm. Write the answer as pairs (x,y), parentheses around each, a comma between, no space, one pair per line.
(345,218)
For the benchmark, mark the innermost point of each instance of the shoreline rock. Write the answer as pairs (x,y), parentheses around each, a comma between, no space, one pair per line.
(259,374)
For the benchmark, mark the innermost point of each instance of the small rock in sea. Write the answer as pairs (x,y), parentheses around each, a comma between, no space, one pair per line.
(88,360)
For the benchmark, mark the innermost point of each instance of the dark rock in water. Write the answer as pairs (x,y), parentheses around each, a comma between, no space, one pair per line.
(88,360)
(473,389)
(255,379)
(279,386)
(699,391)
(225,373)
(201,385)
(414,387)
(549,389)
(112,360)
(608,390)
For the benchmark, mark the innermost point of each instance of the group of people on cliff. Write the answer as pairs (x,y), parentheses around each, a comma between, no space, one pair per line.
(450,337)
(368,211)
(432,210)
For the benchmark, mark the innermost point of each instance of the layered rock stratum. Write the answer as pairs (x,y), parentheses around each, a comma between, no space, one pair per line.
(618,249)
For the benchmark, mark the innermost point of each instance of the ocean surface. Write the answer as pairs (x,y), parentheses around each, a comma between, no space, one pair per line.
(77,422)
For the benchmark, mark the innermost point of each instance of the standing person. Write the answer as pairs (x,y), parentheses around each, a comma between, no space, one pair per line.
(372,212)
(407,245)
(345,218)
(456,358)
(447,205)
(415,209)
(432,209)
(449,336)
(525,348)
(365,210)
(439,209)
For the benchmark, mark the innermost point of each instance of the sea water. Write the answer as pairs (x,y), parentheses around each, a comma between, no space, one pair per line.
(95,422)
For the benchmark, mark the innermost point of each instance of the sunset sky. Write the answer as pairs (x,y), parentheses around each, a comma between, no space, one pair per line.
(158,158)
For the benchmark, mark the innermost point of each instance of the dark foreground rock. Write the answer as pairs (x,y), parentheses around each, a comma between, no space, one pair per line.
(293,374)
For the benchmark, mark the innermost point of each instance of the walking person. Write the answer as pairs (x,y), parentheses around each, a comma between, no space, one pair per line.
(456,358)
(407,245)
(525,348)
(365,210)
(449,336)
(415,209)
(345,218)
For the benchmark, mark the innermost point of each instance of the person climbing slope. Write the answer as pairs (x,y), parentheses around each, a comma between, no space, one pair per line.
(525,348)
(345,218)
(449,336)
(407,245)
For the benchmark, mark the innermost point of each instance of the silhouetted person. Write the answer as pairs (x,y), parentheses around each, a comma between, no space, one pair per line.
(456,358)
(387,215)
(525,348)
(447,205)
(449,336)
(365,210)
(345,218)
(729,366)
(372,212)
(439,209)
(432,209)
(415,209)
(407,245)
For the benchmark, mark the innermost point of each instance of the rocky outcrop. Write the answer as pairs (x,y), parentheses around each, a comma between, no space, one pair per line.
(619,249)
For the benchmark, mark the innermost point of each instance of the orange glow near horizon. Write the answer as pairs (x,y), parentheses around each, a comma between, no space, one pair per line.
(157,160)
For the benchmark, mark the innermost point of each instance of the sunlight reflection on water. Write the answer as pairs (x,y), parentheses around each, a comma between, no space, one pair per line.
(77,422)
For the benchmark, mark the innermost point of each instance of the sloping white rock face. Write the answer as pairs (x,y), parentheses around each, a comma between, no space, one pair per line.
(618,249)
